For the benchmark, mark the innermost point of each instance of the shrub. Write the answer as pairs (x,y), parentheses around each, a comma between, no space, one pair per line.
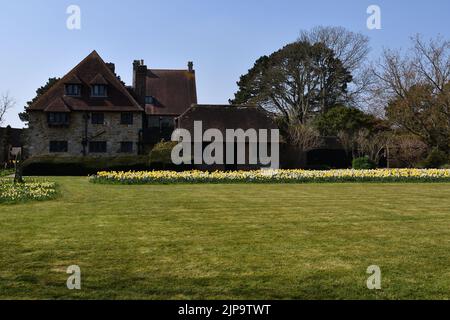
(435,159)
(81,166)
(363,163)
(343,119)
(406,150)
(160,155)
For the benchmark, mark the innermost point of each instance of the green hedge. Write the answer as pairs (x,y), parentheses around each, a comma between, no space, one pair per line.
(435,159)
(363,163)
(160,156)
(81,166)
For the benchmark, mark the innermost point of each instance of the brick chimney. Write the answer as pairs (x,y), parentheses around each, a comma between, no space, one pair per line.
(140,79)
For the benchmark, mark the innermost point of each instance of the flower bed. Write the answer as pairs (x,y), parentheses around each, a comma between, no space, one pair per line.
(30,190)
(273,176)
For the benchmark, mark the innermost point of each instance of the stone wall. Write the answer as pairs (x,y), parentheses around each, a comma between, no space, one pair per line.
(40,134)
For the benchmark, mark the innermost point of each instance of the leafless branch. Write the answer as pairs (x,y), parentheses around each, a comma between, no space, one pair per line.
(6,103)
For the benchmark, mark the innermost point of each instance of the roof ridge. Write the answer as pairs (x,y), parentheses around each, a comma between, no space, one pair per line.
(121,86)
(65,77)
(71,73)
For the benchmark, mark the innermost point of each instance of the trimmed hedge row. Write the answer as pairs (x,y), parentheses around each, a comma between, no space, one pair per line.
(82,166)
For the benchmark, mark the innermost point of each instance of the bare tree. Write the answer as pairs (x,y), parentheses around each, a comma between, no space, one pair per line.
(348,142)
(407,149)
(432,61)
(372,145)
(6,103)
(349,47)
(305,136)
(352,50)
(415,89)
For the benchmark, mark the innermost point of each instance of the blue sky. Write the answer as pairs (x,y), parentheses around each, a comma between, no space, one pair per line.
(223,38)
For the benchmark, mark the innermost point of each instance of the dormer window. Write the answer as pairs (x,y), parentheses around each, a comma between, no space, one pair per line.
(99,90)
(73,90)
(99,86)
(73,86)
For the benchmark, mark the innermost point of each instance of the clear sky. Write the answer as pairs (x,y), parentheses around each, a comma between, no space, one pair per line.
(222,37)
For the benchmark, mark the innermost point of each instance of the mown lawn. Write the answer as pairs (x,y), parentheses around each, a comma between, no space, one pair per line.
(296,241)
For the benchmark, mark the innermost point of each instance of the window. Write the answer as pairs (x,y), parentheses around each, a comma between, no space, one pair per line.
(97,146)
(97,118)
(126,147)
(73,90)
(149,100)
(126,118)
(58,118)
(58,146)
(99,90)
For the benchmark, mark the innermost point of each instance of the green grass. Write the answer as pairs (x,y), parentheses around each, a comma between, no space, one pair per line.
(305,241)
(6,172)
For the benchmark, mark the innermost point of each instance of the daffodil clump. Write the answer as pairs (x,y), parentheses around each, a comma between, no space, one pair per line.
(29,190)
(273,176)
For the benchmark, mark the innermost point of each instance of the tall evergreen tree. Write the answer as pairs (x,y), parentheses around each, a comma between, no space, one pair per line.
(39,92)
(295,82)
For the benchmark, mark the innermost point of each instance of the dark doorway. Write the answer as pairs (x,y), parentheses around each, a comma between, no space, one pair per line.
(327,158)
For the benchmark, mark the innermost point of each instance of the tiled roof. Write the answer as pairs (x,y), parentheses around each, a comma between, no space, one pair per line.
(224,117)
(74,80)
(91,68)
(98,79)
(173,90)
(57,105)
